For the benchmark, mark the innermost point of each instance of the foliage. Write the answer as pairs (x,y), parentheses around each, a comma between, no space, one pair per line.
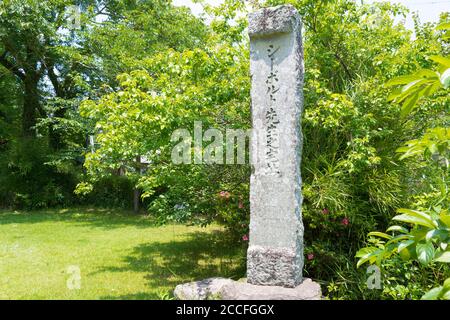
(50,65)
(427,241)
(352,181)
(136,71)
(27,181)
(174,90)
(423,83)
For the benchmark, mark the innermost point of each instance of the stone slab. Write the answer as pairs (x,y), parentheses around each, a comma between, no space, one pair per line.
(207,289)
(227,289)
(307,290)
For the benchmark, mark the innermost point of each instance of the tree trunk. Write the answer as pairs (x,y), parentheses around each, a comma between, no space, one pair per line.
(136,200)
(55,136)
(30,105)
(137,192)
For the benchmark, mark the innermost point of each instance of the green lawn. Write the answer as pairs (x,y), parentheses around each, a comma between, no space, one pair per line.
(120,256)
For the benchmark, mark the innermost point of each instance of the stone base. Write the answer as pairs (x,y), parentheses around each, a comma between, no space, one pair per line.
(227,289)
(280,267)
(307,290)
(208,289)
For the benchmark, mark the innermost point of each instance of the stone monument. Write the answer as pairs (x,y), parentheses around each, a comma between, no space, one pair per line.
(275,254)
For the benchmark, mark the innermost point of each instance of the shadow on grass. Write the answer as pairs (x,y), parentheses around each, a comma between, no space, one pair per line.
(95,217)
(201,255)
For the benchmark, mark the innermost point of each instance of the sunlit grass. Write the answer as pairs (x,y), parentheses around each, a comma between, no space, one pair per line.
(120,256)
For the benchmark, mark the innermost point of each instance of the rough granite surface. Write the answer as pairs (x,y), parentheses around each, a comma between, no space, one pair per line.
(207,289)
(275,255)
(307,290)
(226,289)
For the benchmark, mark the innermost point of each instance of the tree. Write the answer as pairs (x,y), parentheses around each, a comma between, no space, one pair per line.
(51,60)
(57,64)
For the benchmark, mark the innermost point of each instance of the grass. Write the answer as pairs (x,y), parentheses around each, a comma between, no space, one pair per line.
(119,255)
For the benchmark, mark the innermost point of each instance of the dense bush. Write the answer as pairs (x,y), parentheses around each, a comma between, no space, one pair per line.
(113,191)
(28,181)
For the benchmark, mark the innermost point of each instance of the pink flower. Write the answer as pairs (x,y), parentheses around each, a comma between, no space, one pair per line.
(310,256)
(325,211)
(245,237)
(224,194)
(345,222)
(241,205)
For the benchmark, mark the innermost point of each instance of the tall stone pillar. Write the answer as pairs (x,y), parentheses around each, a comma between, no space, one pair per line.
(275,254)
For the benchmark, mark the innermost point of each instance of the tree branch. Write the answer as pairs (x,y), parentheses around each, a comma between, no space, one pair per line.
(11,67)
(54,80)
(41,111)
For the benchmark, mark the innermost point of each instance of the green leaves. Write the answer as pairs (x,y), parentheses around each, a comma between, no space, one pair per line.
(368,254)
(443,26)
(380,234)
(439,293)
(443,257)
(397,229)
(423,83)
(420,84)
(446,28)
(434,141)
(445,78)
(415,217)
(441,60)
(433,294)
(444,217)
(427,241)
(405,244)
(425,252)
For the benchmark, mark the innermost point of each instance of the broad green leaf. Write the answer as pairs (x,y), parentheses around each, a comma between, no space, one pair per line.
(427,74)
(445,78)
(443,257)
(443,26)
(402,80)
(447,284)
(441,60)
(446,295)
(431,89)
(412,85)
(425,252)
(367,254)
(404,244)
(433,294)
(363,251)
(416,217)
(394,94)
(437,233)
(419,233)
(379,234)
(408,252)
(397,228)
(411,219)
(409,105)
(399,238)
(445,218)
